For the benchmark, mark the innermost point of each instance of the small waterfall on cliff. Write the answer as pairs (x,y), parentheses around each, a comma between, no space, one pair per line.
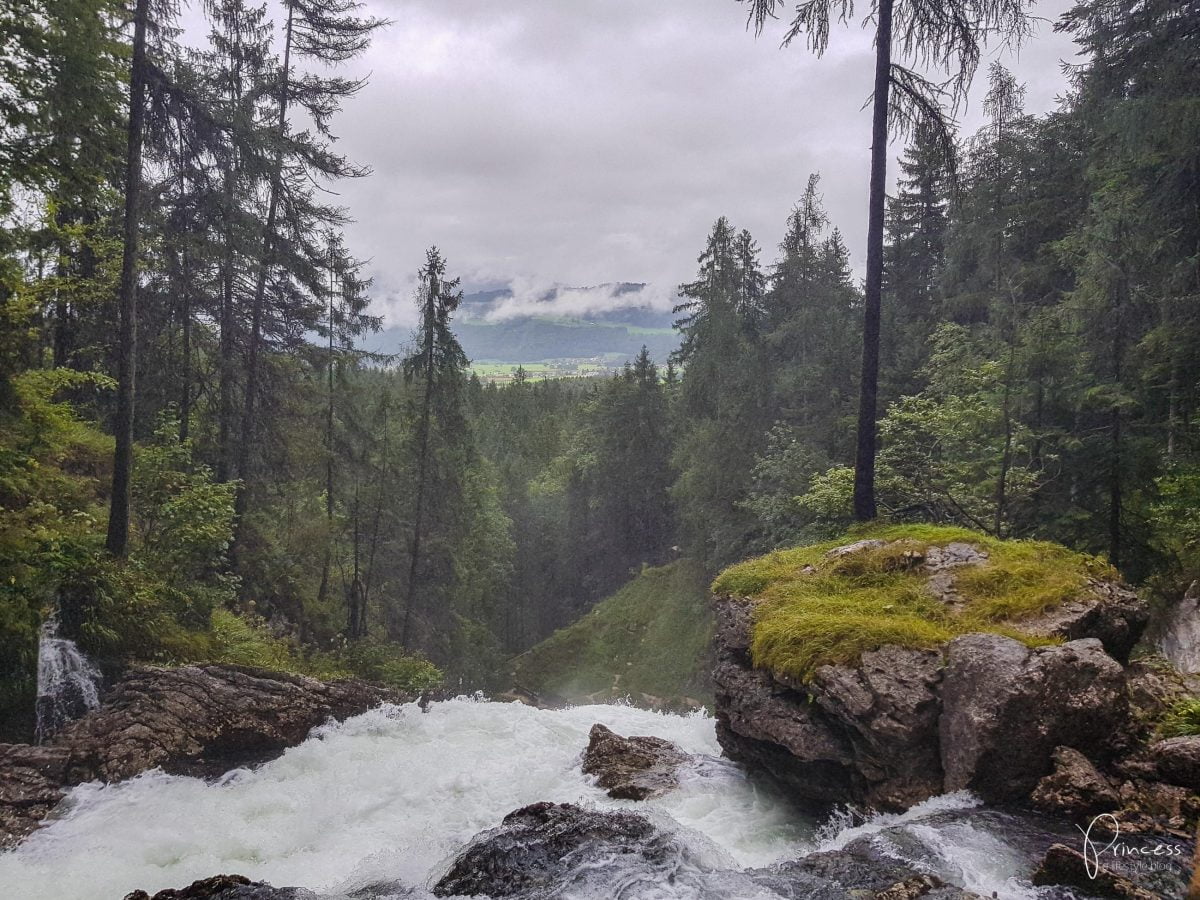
(68,685)
(392,795)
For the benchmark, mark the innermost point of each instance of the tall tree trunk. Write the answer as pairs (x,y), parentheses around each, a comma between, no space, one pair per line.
(260,287)
(118,515)
(422,462)
(227,351)
(864,458)
(323,591)
(1115,485)
(185,394)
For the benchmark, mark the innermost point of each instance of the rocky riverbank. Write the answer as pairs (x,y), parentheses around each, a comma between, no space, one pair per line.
(193,720)
(1050,715)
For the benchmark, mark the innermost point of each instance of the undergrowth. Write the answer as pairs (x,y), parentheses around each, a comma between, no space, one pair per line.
(1182,719)
(242,641)
(814,610)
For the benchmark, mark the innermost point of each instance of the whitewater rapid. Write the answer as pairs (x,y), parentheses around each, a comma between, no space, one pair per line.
(393,794)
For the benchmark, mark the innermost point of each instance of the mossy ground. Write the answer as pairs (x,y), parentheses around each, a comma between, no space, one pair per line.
(851,604)
(651,637)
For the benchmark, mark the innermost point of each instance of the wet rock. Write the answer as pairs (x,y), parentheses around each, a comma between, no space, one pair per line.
(548,849)
(632,768)
(193,720)
(1177,761)
(859,870)
(1005,708)
(1067,867)
(30,786)
(551,851)
(205,720)
(1153,807)
(226,887)
(1075,788)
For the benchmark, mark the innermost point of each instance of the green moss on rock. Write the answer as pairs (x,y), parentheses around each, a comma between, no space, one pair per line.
(816,609)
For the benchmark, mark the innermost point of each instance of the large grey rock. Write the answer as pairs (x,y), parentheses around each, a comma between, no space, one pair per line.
(1066,866)
(632,768)
(551,849)
(1005,708)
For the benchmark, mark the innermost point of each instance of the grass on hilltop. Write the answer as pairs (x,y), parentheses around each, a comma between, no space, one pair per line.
(849,605)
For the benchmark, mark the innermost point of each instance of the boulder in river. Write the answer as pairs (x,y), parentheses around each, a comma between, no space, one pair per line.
(548,851)
(226,887)
(632,768)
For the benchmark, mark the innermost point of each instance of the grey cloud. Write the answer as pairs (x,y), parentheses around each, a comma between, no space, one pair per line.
(595,141)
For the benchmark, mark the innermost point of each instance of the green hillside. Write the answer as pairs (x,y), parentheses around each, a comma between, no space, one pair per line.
(650,641)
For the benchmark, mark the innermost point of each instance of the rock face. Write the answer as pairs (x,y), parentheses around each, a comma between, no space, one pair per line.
(632,768)
(1005,708)
(983,712)
(194,720)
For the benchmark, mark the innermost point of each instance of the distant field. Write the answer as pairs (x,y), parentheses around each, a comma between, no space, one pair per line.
(504,372)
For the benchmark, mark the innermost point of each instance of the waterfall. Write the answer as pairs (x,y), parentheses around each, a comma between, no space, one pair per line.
(68,685)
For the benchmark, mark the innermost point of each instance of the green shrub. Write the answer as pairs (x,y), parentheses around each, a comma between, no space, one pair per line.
(1182,719)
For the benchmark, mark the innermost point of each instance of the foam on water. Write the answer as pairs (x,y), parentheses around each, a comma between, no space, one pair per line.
(393,794)
(389,794)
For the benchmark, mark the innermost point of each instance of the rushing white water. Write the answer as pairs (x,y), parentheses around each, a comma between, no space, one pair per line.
(67,682)
(392,795)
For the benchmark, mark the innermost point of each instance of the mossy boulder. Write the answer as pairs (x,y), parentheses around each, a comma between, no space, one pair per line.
(901,662)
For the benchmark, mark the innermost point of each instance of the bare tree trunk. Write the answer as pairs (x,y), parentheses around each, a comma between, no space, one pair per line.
(118,516)
(864,460)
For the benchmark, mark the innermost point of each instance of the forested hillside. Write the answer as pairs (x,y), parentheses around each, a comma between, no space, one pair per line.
(198,460)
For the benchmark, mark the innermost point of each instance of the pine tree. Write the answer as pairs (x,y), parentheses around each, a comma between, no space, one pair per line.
(437,372)
(946,36)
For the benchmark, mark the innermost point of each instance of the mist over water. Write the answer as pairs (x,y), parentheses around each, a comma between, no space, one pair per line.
(392,795)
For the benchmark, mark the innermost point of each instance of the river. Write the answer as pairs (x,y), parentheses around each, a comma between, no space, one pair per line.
(391,795)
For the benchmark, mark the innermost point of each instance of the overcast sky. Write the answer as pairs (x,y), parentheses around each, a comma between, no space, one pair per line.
(543,141)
